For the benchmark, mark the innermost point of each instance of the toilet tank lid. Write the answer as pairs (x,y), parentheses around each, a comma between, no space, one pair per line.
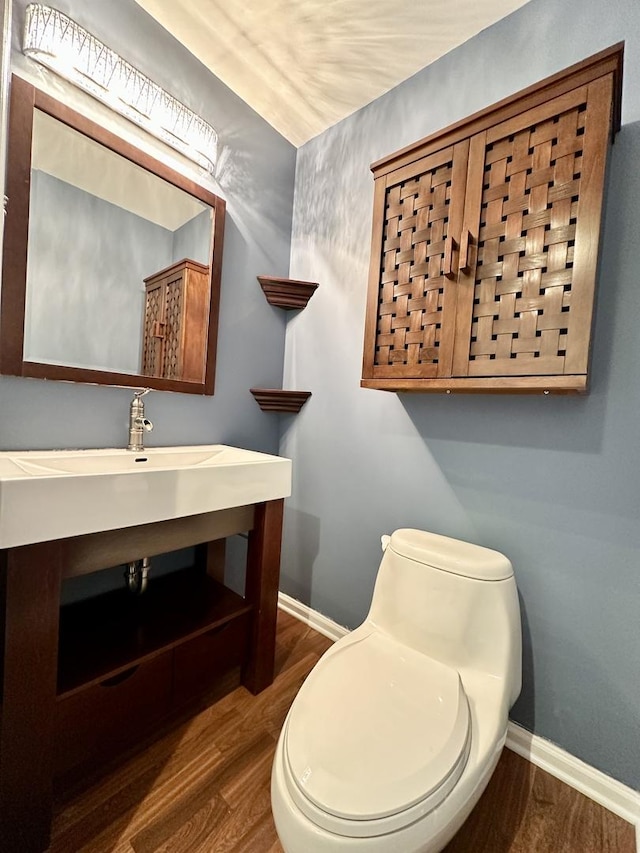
(451,555)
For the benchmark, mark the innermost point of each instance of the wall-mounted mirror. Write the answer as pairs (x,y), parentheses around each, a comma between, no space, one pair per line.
(111,260)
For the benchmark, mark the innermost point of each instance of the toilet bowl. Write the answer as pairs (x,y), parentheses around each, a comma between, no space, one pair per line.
(396,732)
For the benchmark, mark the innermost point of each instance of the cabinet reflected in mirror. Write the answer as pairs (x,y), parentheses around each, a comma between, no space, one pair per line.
(93,225)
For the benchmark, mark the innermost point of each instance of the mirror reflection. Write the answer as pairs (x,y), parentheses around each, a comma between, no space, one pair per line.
(111,259)
(103,233)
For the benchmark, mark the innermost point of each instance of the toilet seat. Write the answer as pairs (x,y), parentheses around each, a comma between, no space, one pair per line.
(377,737)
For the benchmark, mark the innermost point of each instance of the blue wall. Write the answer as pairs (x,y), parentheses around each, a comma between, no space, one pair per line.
(552,482)
(255,175)
(193,239)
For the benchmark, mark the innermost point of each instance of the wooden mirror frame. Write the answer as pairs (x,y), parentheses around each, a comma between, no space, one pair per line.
(24,99)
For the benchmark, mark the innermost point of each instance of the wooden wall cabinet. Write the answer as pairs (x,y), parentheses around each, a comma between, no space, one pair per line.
(485,243)
(176,321)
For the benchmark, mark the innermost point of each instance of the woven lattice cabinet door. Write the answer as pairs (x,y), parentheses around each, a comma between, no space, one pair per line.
(153,331)
(419,212)
(525,297)
(174,305)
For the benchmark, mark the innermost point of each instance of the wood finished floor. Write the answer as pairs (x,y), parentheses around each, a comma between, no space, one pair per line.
(203,787)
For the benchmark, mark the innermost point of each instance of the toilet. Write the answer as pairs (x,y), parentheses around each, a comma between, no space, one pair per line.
(395,733)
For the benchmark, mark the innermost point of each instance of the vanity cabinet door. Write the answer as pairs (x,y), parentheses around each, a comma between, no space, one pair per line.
(527,280)
(412,293)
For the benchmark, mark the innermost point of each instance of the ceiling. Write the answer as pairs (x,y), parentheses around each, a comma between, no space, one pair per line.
(76,159)
(304,65)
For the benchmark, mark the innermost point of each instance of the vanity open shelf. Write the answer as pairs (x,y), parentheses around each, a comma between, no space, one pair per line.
(128,664)
(103,637)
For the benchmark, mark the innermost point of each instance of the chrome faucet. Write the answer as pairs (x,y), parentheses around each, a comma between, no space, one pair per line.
(138,424)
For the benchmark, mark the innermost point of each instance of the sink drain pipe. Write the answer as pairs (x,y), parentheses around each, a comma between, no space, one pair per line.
(136,575)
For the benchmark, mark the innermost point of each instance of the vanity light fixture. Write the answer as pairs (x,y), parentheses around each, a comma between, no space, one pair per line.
(57,42)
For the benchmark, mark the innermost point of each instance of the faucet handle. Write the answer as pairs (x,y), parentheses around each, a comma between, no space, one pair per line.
(141,392)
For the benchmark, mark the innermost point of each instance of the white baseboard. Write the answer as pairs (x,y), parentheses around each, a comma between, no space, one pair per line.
(602,789)
(322,624)
(608,792)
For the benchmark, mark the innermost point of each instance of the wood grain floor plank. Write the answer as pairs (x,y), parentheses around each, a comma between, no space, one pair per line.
(191,833)
(525,809)
(249,812)
(123,847)
(181,804)
(271,708)
(262,837)
(204,786)
(133,805)
(149,768)
(296,640)
(247,783)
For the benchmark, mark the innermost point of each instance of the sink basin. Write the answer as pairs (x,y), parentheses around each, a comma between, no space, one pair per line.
(113,461)
(55,494)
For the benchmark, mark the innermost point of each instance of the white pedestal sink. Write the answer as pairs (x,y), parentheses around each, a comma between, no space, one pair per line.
(55,494)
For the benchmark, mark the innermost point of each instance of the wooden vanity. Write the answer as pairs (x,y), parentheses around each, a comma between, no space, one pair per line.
(82,682)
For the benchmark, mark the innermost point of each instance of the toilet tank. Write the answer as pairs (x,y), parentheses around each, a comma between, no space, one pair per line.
(454,601)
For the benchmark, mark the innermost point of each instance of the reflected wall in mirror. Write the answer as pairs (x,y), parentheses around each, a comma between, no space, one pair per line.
(111,261)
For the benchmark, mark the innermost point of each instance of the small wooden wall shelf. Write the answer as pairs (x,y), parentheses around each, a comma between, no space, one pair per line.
(286,292)
(277,400)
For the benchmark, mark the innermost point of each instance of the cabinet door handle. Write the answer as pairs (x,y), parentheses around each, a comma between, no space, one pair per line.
(447,261)
(465,254)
